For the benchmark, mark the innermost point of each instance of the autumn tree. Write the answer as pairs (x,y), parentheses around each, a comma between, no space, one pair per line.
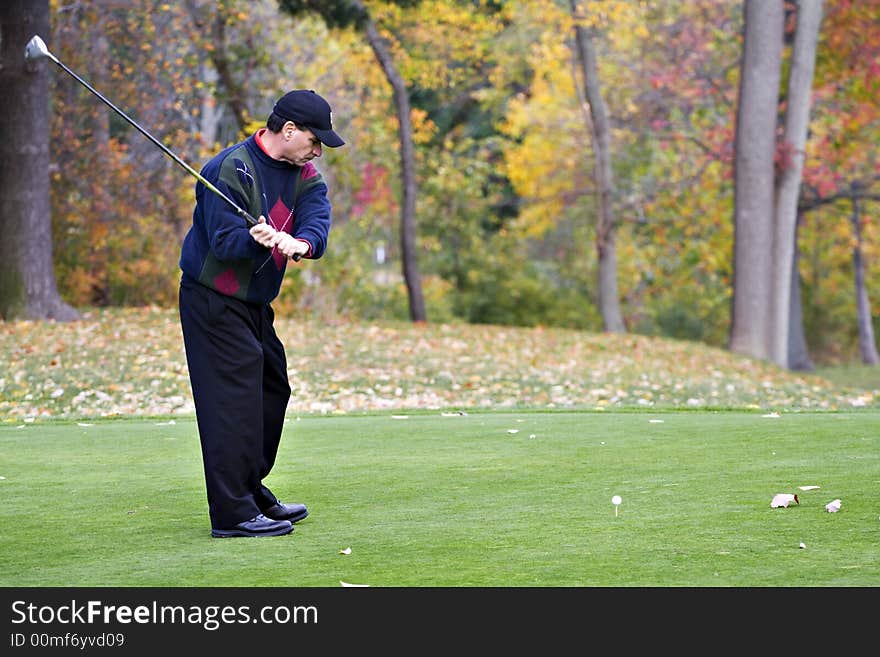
(798,101)
(842,179)
(504,146)
(574,158)
(755,151)
(867,342)
(609,301)
(28,288)
(119,203)
(212,19)
(453,52)
(342,13)
(765,210)
(681,191)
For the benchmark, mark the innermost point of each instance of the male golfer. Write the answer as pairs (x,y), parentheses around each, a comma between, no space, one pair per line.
(231,274)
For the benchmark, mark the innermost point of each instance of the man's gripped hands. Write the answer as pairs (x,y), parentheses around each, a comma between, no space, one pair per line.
(266,235)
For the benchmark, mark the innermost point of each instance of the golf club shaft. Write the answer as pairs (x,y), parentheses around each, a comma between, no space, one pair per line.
(37,48)
(239,211)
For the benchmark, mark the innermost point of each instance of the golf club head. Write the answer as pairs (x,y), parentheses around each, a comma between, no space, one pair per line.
(36,49)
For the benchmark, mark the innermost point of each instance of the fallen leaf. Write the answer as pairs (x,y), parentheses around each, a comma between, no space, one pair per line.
(833,506)
(783,500)
(345,551)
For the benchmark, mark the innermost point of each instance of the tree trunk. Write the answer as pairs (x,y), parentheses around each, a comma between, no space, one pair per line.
(235,93)
(867,344)
(798,352)
(755,144)
(609,298)
(407,171)
(98,157)
(342,13)
(27,279)
(797,119)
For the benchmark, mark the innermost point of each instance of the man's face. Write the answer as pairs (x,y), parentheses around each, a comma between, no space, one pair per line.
(300,146)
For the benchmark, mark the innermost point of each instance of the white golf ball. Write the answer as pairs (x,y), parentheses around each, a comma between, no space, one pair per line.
(616,500)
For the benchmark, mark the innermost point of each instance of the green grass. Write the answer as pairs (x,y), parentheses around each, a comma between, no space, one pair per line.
(96,493)
(431,500)
(853,375)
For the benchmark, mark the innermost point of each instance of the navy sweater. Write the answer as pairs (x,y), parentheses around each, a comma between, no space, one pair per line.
(219,252)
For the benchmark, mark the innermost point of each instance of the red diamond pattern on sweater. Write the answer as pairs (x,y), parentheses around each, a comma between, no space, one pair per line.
(278,217)
(226,282)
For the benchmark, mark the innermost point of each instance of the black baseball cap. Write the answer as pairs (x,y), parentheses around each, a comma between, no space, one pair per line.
(308,109)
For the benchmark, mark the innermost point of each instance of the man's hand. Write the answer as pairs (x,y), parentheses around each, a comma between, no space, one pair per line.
(289,246)
(264,234)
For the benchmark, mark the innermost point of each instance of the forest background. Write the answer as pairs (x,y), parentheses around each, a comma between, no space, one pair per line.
(506,204)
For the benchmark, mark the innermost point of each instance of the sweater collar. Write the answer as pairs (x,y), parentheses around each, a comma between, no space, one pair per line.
(260,151)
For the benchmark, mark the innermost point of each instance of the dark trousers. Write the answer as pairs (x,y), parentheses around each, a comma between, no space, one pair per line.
(238,374)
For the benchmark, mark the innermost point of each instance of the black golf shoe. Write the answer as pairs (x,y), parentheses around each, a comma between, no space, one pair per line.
(291,512)
(257,526)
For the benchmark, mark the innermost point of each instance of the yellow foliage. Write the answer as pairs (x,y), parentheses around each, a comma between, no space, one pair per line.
(253,125)
(550,139)
(77,285)
(423,128)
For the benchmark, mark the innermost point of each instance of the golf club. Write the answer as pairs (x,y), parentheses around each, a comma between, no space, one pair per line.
(36,49)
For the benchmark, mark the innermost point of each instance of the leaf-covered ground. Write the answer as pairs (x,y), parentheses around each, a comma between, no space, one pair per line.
(131,362)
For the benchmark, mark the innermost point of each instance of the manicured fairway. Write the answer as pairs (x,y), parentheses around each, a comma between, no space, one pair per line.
(464,500)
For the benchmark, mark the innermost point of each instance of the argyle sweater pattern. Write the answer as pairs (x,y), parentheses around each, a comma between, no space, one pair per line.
(219,252)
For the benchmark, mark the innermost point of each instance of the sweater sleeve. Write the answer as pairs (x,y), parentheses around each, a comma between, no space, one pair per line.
(313,212)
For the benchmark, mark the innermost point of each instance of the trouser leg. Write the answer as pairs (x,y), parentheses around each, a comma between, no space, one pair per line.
(276,395)
(225,361)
